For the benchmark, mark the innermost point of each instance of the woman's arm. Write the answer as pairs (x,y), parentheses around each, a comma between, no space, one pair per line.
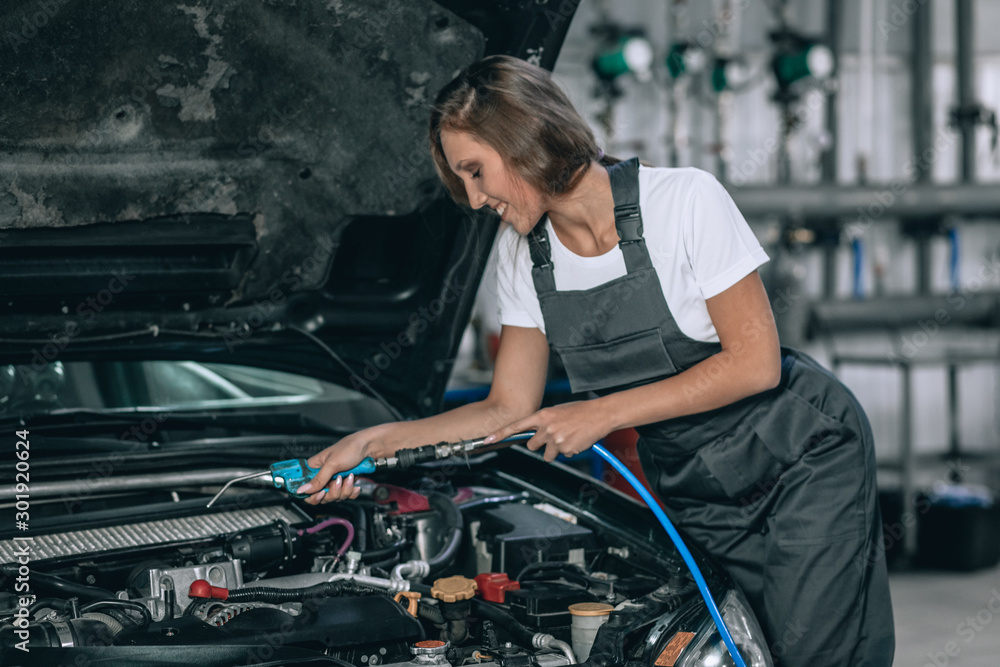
(749,363)
(516,391)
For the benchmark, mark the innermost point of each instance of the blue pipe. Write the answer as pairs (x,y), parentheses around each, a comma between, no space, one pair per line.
(956,283)
(647,497)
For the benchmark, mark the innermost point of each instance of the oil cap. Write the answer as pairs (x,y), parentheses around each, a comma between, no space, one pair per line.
(453,589)
(430,647)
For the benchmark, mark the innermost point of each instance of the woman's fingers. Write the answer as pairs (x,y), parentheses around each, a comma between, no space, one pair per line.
(510,429)
(536,441)
(327,485)
(339,487)
(551,452)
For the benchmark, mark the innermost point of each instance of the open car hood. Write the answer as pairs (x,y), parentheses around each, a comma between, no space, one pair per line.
(204,180)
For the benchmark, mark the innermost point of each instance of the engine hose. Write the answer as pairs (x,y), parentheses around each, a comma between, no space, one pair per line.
(488,611)
(453,519)
(481,608)
(490,500)
(383,564)
(430,612)
(56,604)
(124,604)
(423,589)
(69,588)
(113,623)
(279,595)
(681,547)
(359,521)
(383,553)
(169,600)
(119,616)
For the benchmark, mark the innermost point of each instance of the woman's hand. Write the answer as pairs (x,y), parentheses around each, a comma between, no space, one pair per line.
(344,455)
(568,428)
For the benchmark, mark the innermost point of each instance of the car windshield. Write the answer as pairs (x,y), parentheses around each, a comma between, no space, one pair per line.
(162,385)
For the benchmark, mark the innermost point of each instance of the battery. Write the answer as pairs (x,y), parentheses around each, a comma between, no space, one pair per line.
(519,534)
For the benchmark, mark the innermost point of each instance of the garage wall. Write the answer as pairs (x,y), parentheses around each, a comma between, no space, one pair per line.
(875,137)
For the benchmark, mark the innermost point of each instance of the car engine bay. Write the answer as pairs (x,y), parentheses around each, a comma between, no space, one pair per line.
(471,567)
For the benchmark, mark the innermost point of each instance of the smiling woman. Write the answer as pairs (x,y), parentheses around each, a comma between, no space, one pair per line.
(510,111)
(671,329)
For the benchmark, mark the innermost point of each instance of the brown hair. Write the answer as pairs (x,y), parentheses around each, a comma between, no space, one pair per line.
(518,110)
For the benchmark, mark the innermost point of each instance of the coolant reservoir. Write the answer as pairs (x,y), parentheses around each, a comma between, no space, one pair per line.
(587,618)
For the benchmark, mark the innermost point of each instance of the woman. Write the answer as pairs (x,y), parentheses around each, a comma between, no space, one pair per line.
(644,282)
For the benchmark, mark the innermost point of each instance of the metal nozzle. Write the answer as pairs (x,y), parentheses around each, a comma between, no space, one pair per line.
(479,446)
(244,478)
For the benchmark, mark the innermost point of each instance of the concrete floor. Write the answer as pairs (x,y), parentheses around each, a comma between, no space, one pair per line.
(938,612)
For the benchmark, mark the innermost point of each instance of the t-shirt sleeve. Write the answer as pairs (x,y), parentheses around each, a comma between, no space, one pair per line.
(720,245)
(514,296)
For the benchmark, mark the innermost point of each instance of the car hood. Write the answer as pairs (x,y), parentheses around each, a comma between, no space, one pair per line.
(216,181)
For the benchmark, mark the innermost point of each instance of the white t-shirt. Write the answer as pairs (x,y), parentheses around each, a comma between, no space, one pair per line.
(697,239)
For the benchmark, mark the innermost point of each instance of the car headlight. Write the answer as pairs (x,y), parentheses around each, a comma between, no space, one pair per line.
(708,649)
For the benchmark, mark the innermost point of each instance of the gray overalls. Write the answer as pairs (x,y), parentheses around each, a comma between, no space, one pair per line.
(780,486)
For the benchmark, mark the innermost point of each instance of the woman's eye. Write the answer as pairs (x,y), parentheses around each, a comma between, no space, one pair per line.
(476,175)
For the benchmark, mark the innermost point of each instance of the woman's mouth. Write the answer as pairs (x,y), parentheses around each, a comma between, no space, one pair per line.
(501,209)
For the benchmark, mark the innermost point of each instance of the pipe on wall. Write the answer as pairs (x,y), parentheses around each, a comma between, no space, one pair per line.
(921,82)
(828,163)
(865,205)
(965,81)
(866,91)
(922,118)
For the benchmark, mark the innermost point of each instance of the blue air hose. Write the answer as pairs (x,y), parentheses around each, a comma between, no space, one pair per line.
(674,535)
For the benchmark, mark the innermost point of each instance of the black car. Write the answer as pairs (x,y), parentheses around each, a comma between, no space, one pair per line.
(223,244)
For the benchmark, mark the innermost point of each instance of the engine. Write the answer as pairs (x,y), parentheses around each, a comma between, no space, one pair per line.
(417,575)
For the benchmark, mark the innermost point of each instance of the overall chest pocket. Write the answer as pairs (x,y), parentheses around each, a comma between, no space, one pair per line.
(632,358)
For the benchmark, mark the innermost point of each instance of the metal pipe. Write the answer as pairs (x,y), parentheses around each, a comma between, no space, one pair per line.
(923,241)
(830,270)
(866,89)
(676,24)
(133,482)
(870,203)
(954,448)
(418,569)
(828,163)
(309,579)
(542,640)
(965,76)
(922,117)
(889,314)
(907,485)
(921,100)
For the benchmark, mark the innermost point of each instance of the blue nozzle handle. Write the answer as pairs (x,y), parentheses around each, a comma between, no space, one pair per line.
(291,474)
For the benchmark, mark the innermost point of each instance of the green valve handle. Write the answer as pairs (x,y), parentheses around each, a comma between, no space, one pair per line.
(291,474)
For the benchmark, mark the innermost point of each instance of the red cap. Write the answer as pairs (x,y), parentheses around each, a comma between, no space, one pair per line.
(492,586)
(202,589)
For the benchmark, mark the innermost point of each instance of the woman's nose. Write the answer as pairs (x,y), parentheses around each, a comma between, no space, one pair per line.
(476,198)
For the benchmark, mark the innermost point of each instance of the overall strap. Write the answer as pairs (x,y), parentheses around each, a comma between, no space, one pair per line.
(541,259)
(628,219)
(628,222)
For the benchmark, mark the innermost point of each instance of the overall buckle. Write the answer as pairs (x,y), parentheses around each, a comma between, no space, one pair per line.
(628,223)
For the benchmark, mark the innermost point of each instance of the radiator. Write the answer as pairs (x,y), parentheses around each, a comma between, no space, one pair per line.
(131,535)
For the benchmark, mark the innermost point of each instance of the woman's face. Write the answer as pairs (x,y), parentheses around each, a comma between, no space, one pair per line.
(488,181)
